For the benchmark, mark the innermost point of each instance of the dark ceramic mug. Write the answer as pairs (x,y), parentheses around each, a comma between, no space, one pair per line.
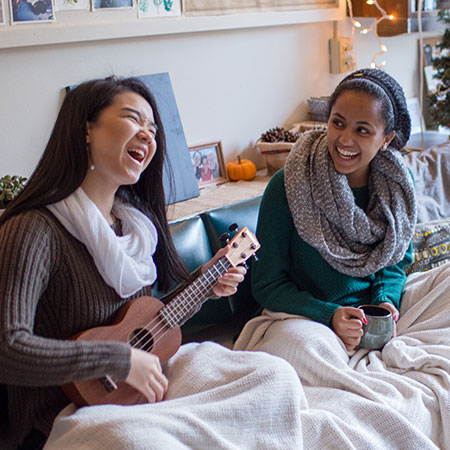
(379,328)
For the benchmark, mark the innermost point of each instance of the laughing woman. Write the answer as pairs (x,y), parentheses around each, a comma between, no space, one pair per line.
(335,226)
(86,235)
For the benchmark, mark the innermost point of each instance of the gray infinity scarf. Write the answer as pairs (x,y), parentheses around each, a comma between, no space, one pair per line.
(355,242)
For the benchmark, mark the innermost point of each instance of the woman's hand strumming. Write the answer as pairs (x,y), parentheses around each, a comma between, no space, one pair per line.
(146,375)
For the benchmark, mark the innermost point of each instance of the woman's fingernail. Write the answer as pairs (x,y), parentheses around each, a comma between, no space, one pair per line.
(396,317)
(365,320)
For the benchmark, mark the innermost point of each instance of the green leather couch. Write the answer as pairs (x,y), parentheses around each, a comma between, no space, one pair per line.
(197,239)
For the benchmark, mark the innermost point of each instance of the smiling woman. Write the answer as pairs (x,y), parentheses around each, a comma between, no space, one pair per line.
(344,211)
(88,235)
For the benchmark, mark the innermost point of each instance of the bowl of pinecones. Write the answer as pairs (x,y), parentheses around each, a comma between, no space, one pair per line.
(275,144)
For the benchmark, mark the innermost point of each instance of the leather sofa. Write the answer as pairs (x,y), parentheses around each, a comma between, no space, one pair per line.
(197,238)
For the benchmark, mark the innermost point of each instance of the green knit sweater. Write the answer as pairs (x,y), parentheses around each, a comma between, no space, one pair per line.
(291,276)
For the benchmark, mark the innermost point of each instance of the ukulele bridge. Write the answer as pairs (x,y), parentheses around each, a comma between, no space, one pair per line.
(108,383)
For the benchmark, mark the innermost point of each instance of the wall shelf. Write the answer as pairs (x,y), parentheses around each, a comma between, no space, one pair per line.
(84,26)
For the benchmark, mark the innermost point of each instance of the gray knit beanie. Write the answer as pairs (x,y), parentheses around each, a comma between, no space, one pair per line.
(402,120)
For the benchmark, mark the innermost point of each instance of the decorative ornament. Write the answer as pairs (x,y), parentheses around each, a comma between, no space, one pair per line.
(279,134)
(242,169)
(371,29)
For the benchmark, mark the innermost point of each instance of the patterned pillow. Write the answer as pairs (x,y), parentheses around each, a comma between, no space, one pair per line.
(431,246)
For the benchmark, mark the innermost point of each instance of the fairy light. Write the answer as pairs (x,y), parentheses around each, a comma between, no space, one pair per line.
(372,29)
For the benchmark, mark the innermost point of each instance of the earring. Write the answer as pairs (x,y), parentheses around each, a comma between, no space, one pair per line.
(91,167)
(384,148)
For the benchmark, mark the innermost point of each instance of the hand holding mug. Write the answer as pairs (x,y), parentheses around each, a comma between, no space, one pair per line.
(347,323)
(380,326)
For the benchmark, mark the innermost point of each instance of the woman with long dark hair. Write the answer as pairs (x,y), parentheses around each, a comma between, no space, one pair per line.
(88,234)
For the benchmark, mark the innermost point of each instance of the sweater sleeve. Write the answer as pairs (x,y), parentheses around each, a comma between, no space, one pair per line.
(389,282)
(28,255)
(273,287)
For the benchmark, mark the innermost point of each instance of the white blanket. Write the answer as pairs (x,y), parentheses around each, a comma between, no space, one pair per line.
(394,399)
(217,399)
(397,398)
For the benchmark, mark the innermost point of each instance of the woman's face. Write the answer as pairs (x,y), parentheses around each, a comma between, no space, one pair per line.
(121,141)
(355,135)
(212,160)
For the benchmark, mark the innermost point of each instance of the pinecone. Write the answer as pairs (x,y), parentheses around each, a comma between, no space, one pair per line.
(276,134)
(291,137)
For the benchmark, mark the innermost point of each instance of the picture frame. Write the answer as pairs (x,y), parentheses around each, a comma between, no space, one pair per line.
(159,8)
(2,16)
(31,11)
(219,7)
(72,5)
(430,52)
(102,5)
(210,156)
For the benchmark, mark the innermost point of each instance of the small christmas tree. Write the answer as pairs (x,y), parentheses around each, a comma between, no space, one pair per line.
(440,100)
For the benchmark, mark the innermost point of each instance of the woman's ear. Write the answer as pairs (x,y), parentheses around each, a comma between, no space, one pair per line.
(88,130)
(389,138)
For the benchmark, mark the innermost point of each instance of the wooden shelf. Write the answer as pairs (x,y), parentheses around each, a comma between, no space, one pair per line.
(83,26)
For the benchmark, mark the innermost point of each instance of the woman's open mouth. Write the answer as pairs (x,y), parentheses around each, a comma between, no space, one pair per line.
(345,154)
(137,154)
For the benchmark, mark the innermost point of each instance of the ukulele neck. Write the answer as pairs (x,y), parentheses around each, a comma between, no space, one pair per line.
(186,302)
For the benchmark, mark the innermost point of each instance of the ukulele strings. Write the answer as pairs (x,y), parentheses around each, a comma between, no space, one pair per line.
(157,321)
(184,308)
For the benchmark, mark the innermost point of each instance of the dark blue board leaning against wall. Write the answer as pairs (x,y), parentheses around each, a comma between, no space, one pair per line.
(184,184)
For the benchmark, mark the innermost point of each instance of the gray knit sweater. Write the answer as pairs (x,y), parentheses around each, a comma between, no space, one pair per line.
(50,290)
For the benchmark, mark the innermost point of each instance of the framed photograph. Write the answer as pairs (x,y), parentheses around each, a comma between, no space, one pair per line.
(430,52)
(98,5)
(208,165)
(26,11)
(72,5)
(159,8)
(218,7)
(2,17)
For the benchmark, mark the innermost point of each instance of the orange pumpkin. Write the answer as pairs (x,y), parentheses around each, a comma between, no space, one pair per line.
(242,169)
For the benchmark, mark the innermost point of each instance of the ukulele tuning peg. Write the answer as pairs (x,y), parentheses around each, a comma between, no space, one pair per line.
(225,237)
(255,258)
(245,265)
(233,227)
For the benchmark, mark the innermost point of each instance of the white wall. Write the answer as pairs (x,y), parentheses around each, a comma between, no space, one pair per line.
(229,85)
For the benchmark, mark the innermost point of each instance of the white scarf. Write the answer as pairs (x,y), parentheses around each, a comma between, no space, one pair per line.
(125,262)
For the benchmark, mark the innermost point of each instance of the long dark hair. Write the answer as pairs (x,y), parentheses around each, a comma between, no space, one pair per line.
(65,161)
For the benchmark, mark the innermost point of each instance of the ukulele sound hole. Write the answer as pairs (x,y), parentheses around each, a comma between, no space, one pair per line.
(142,339)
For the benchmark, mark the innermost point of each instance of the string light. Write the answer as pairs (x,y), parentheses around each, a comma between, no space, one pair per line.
(372,29)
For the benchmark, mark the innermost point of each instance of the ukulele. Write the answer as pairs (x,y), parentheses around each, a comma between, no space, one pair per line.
(148,324)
